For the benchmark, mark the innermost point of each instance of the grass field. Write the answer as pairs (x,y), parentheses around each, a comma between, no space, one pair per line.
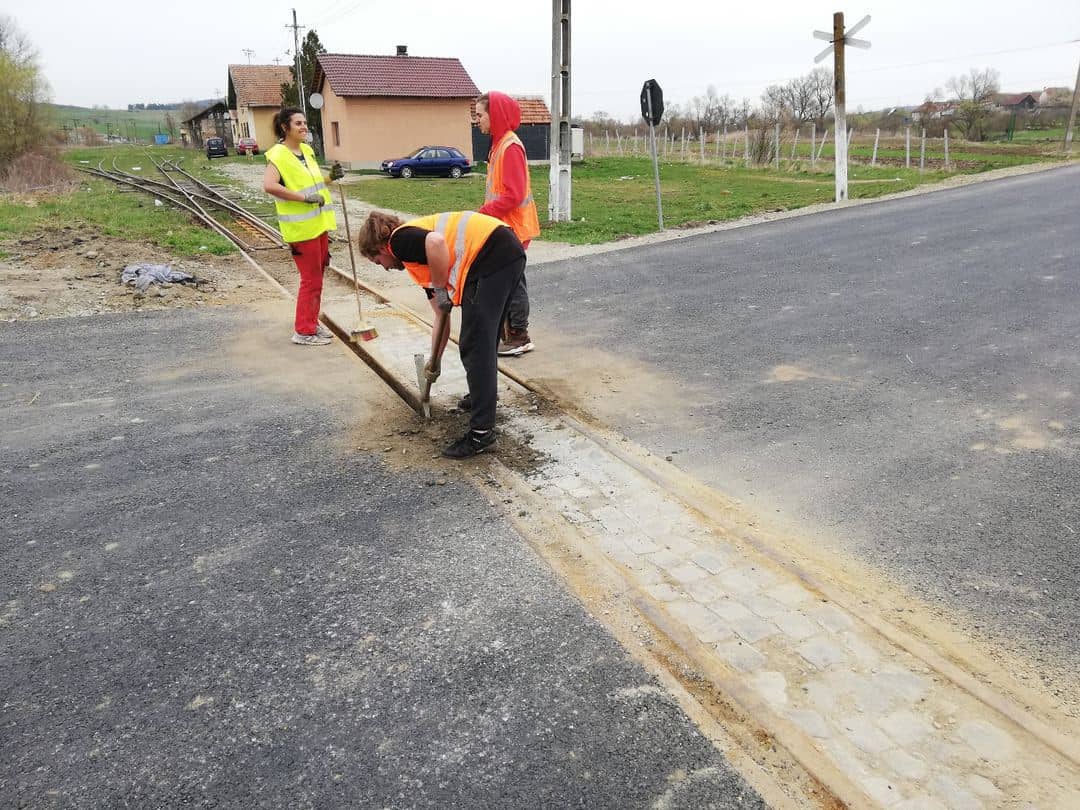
(141,124)
(614,197)
(106,208)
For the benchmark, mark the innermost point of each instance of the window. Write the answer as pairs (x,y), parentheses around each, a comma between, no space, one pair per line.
(337,133)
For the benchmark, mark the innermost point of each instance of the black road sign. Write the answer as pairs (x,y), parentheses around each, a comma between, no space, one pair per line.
(652,102)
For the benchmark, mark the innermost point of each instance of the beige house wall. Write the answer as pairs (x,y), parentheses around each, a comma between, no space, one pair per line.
(373,128)
(260,125)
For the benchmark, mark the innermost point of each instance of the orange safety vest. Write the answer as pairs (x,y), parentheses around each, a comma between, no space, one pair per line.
(522,220)
(466,233)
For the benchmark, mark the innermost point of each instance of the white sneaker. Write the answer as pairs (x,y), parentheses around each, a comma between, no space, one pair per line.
(322,331)
(309,340)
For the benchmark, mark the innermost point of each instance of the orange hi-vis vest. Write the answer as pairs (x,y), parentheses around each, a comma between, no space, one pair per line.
(522,220)
(466,233)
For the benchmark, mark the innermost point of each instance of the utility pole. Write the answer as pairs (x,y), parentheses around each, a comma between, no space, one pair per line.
(1072,114)
(248,53)
(559,194)
(839,39)
(299,74)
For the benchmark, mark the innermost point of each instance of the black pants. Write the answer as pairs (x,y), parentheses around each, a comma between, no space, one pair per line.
(484,303)
(517,313)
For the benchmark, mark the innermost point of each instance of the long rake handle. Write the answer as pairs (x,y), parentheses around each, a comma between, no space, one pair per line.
(352,258)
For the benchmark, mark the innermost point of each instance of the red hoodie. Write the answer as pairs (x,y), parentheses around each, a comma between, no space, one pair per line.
(505,115)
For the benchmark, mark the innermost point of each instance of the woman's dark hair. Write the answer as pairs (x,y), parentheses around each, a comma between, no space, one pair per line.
(281,120)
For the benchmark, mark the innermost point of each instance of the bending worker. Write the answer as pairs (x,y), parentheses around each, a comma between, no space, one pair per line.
(305,217)
(464,259)
(508,197)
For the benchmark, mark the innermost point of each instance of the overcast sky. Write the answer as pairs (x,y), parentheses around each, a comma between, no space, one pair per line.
(125,51)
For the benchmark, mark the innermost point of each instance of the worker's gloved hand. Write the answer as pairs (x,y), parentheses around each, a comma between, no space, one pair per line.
(432,369)
(442,300)
(336,171)
(314,198)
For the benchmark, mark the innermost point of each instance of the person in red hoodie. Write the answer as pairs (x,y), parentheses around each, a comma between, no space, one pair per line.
(508,197)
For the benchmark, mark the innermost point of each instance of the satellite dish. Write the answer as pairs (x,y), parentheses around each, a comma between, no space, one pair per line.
(316,101)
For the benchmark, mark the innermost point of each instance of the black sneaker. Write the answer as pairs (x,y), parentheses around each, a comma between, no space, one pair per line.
(465,403)
(471,444)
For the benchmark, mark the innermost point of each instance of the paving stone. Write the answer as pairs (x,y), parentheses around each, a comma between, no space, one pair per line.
(730,611)
(830,617)
(865,655)
(753,629)
(865,691)
(741,655)
(987,740)
(952,793)
(677,544)
(713,630)
(790,594)
(687,572)
(811,722)
(763,606)
(822,697)
(920,803)
(735,581)
(663,592)
(865,735)
(761,578)
(639,543)
(613,520)
(711,561)
(704,590)
(981,786)
(905,765)
(821,652)
(909,685)
(906,727)
(666,560)
(698,617)
(881,790)
(795,625)
(772,686)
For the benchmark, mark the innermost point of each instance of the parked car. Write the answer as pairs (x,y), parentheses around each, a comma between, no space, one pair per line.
(445,161)
(215,147)
(245,145)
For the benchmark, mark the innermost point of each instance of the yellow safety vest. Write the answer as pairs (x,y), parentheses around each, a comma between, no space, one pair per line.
(466,233)
(522,220)
(300,221)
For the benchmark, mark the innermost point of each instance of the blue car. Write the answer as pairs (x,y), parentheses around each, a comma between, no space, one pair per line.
(444,161)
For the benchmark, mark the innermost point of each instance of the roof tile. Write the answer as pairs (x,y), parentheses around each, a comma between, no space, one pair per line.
(259,85)
(421,76)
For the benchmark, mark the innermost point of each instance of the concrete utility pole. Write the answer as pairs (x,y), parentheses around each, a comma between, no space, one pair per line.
(839,39)
(299,73)
(1072,114)
(559,193)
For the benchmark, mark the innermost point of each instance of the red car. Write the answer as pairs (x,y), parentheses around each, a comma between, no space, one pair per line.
(247,145)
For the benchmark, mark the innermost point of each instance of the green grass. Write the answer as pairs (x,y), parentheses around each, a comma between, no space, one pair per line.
(101,206)
(614,197)
(143,124)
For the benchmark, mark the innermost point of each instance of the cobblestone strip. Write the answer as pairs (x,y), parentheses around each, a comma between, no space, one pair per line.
(902,734)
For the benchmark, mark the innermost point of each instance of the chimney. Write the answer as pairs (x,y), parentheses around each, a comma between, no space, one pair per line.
(402,50)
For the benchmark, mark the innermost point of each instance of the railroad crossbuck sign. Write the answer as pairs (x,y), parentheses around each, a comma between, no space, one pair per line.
(838,39)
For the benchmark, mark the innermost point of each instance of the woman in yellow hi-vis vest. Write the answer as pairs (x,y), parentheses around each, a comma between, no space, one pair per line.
(305,217)
(464,259)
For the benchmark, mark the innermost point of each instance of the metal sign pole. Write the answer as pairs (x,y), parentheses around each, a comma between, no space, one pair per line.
(656,176)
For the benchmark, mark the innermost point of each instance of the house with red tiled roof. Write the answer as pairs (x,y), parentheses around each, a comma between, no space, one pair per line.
(254,98)
(1015,102)
(535,130)
(378,107)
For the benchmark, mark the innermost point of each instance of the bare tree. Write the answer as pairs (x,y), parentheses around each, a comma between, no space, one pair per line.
(803,99)
(974,92)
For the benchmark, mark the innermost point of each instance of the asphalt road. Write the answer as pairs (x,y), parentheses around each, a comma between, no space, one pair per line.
(209,597)
(901,379)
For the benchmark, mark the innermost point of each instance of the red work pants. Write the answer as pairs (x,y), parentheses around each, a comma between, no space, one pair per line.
(312,257)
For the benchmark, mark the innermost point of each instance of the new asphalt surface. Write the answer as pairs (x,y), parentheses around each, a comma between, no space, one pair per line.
(210,597)
(899,380)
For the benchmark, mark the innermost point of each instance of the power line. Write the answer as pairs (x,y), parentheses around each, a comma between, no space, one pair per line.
(971,56)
